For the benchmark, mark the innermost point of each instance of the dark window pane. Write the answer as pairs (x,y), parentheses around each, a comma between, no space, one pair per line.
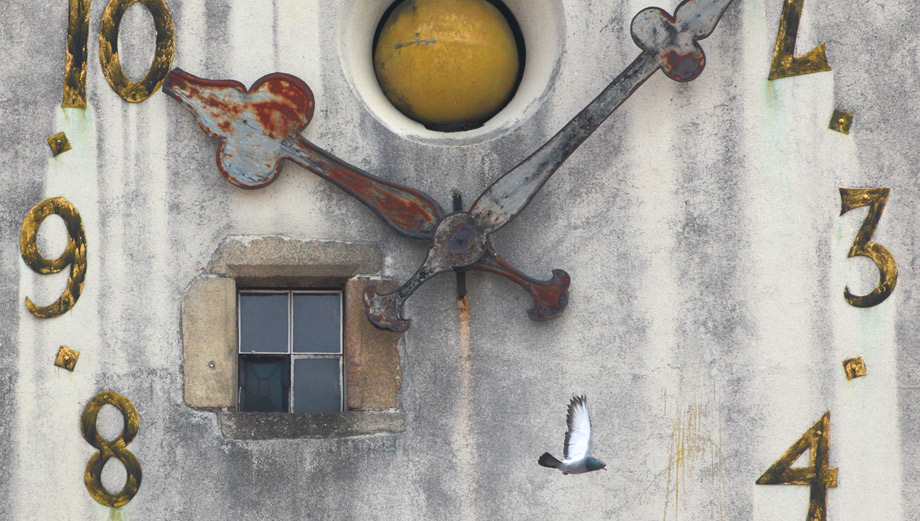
(317,385)
(263,322)
(265,382)
(317,322)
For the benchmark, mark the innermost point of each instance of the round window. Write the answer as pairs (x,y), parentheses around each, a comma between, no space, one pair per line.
(448,64)
(431,88)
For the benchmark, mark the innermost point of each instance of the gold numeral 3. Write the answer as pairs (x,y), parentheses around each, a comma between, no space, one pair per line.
(875,199)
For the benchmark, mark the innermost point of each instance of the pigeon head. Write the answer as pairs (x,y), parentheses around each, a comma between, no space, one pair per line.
(594,464)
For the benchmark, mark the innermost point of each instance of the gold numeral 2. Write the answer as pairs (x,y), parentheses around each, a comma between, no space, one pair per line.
(818,475)
(74,254)
(78,35)
(785,62)
(116,448)
(875,199)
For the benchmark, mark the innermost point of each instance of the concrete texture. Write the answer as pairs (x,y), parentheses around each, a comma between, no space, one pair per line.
(700,225)
(280,426)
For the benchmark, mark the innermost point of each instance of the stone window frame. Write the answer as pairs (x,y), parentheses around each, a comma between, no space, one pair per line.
(210,341)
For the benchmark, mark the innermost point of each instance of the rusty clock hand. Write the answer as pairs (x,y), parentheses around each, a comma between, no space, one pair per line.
(668,43)
(261,126)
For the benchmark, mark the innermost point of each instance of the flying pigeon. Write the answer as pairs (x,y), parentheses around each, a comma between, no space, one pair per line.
(578,438)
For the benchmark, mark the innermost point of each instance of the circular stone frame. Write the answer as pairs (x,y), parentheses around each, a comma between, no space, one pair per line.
(542,26)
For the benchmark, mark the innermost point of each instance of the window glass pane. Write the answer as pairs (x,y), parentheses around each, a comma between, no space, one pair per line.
(263,322)
(317,385)
(317,322)
(265,383)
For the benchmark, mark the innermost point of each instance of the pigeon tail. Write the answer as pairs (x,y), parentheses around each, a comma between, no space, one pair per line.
(547,460)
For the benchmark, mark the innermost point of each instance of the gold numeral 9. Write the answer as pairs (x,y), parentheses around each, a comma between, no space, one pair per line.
(116,448)
(74,254)
(78,35)
(818,475)
(875,199)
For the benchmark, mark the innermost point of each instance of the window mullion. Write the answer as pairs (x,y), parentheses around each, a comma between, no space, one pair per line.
(290,349)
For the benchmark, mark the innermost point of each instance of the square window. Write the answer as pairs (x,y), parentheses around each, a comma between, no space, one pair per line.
(229,374)
(290,354)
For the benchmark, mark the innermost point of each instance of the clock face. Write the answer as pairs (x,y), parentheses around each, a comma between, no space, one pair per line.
(723,265)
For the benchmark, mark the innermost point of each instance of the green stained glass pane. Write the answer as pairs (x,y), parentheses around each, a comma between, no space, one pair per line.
(265,383)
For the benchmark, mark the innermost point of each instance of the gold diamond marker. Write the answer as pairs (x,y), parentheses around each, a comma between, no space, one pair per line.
(66,358)
(854,367)
(59,143)
(841,121)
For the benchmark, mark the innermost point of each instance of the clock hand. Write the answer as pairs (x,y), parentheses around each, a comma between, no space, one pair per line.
(549,297)
(456,245)
(260,127)
(667,42)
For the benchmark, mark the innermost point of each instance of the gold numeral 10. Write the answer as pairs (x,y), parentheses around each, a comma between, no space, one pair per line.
(78,36)
(116,448)
(74,254)
(875,199)
(818,475)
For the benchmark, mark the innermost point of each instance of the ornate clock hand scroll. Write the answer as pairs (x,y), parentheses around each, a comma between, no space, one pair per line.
(260,127)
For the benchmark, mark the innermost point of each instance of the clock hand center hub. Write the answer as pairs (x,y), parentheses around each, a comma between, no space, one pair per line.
(457,242)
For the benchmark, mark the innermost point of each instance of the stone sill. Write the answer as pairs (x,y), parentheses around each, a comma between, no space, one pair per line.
(280,426)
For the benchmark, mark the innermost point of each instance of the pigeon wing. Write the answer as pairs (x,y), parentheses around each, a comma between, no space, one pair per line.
(578,436)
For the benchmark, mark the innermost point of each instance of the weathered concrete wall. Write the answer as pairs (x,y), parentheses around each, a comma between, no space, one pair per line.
(700,225)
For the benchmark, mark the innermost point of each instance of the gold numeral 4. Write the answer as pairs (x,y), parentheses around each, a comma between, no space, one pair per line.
(818,475)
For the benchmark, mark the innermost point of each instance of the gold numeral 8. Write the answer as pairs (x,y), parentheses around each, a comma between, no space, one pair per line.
(116,448)
(875,199)
(74,254)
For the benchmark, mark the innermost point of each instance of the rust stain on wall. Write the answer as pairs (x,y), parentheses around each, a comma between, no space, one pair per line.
(695,465)
(464,441)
